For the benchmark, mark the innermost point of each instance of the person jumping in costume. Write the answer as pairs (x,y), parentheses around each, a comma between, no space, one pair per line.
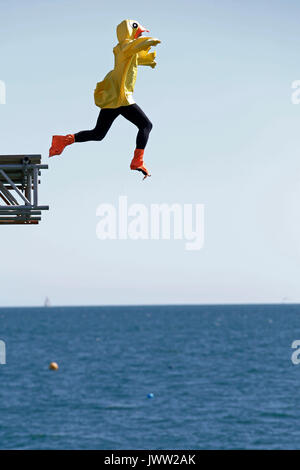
(114,95)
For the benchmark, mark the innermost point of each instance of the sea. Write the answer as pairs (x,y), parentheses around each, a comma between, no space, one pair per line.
(150,377)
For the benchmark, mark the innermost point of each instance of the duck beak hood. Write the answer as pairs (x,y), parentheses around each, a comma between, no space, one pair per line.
(129,29)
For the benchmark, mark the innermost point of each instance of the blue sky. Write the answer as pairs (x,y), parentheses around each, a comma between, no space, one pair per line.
(225,135)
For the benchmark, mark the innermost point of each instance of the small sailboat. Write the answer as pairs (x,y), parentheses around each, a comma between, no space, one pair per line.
(47,302)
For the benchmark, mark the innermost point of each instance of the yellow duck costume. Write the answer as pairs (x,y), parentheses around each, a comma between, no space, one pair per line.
(114,94)
(117,87)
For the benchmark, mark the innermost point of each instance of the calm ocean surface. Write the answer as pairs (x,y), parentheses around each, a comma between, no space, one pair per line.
(221,376)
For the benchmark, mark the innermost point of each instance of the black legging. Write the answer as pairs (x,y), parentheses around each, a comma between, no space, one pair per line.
(107,116)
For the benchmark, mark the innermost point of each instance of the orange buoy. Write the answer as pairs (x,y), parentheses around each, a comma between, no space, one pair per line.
(53,366)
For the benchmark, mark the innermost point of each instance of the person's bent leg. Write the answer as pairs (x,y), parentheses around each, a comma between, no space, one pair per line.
(135,115)
(105,119)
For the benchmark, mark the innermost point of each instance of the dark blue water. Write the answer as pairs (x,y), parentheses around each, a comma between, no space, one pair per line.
(222,377)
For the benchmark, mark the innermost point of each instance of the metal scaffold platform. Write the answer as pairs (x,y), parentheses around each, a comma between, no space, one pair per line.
(19,181)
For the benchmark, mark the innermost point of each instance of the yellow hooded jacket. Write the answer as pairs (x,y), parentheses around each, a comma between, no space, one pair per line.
(117,87)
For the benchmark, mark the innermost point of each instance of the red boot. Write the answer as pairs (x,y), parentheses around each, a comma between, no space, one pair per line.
(59,142)
(137,162)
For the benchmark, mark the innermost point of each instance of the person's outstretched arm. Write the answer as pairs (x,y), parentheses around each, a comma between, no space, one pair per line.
(147,58)
(137,45)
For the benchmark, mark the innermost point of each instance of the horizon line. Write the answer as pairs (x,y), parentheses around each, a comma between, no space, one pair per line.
(154,305)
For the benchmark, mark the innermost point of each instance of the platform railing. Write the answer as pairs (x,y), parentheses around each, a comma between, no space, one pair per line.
(19,182)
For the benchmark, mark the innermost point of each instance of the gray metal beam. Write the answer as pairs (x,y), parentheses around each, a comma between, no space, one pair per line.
(14,186)
(20,178)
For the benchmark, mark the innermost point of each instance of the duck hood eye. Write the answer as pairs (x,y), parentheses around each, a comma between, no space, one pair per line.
(129,29)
